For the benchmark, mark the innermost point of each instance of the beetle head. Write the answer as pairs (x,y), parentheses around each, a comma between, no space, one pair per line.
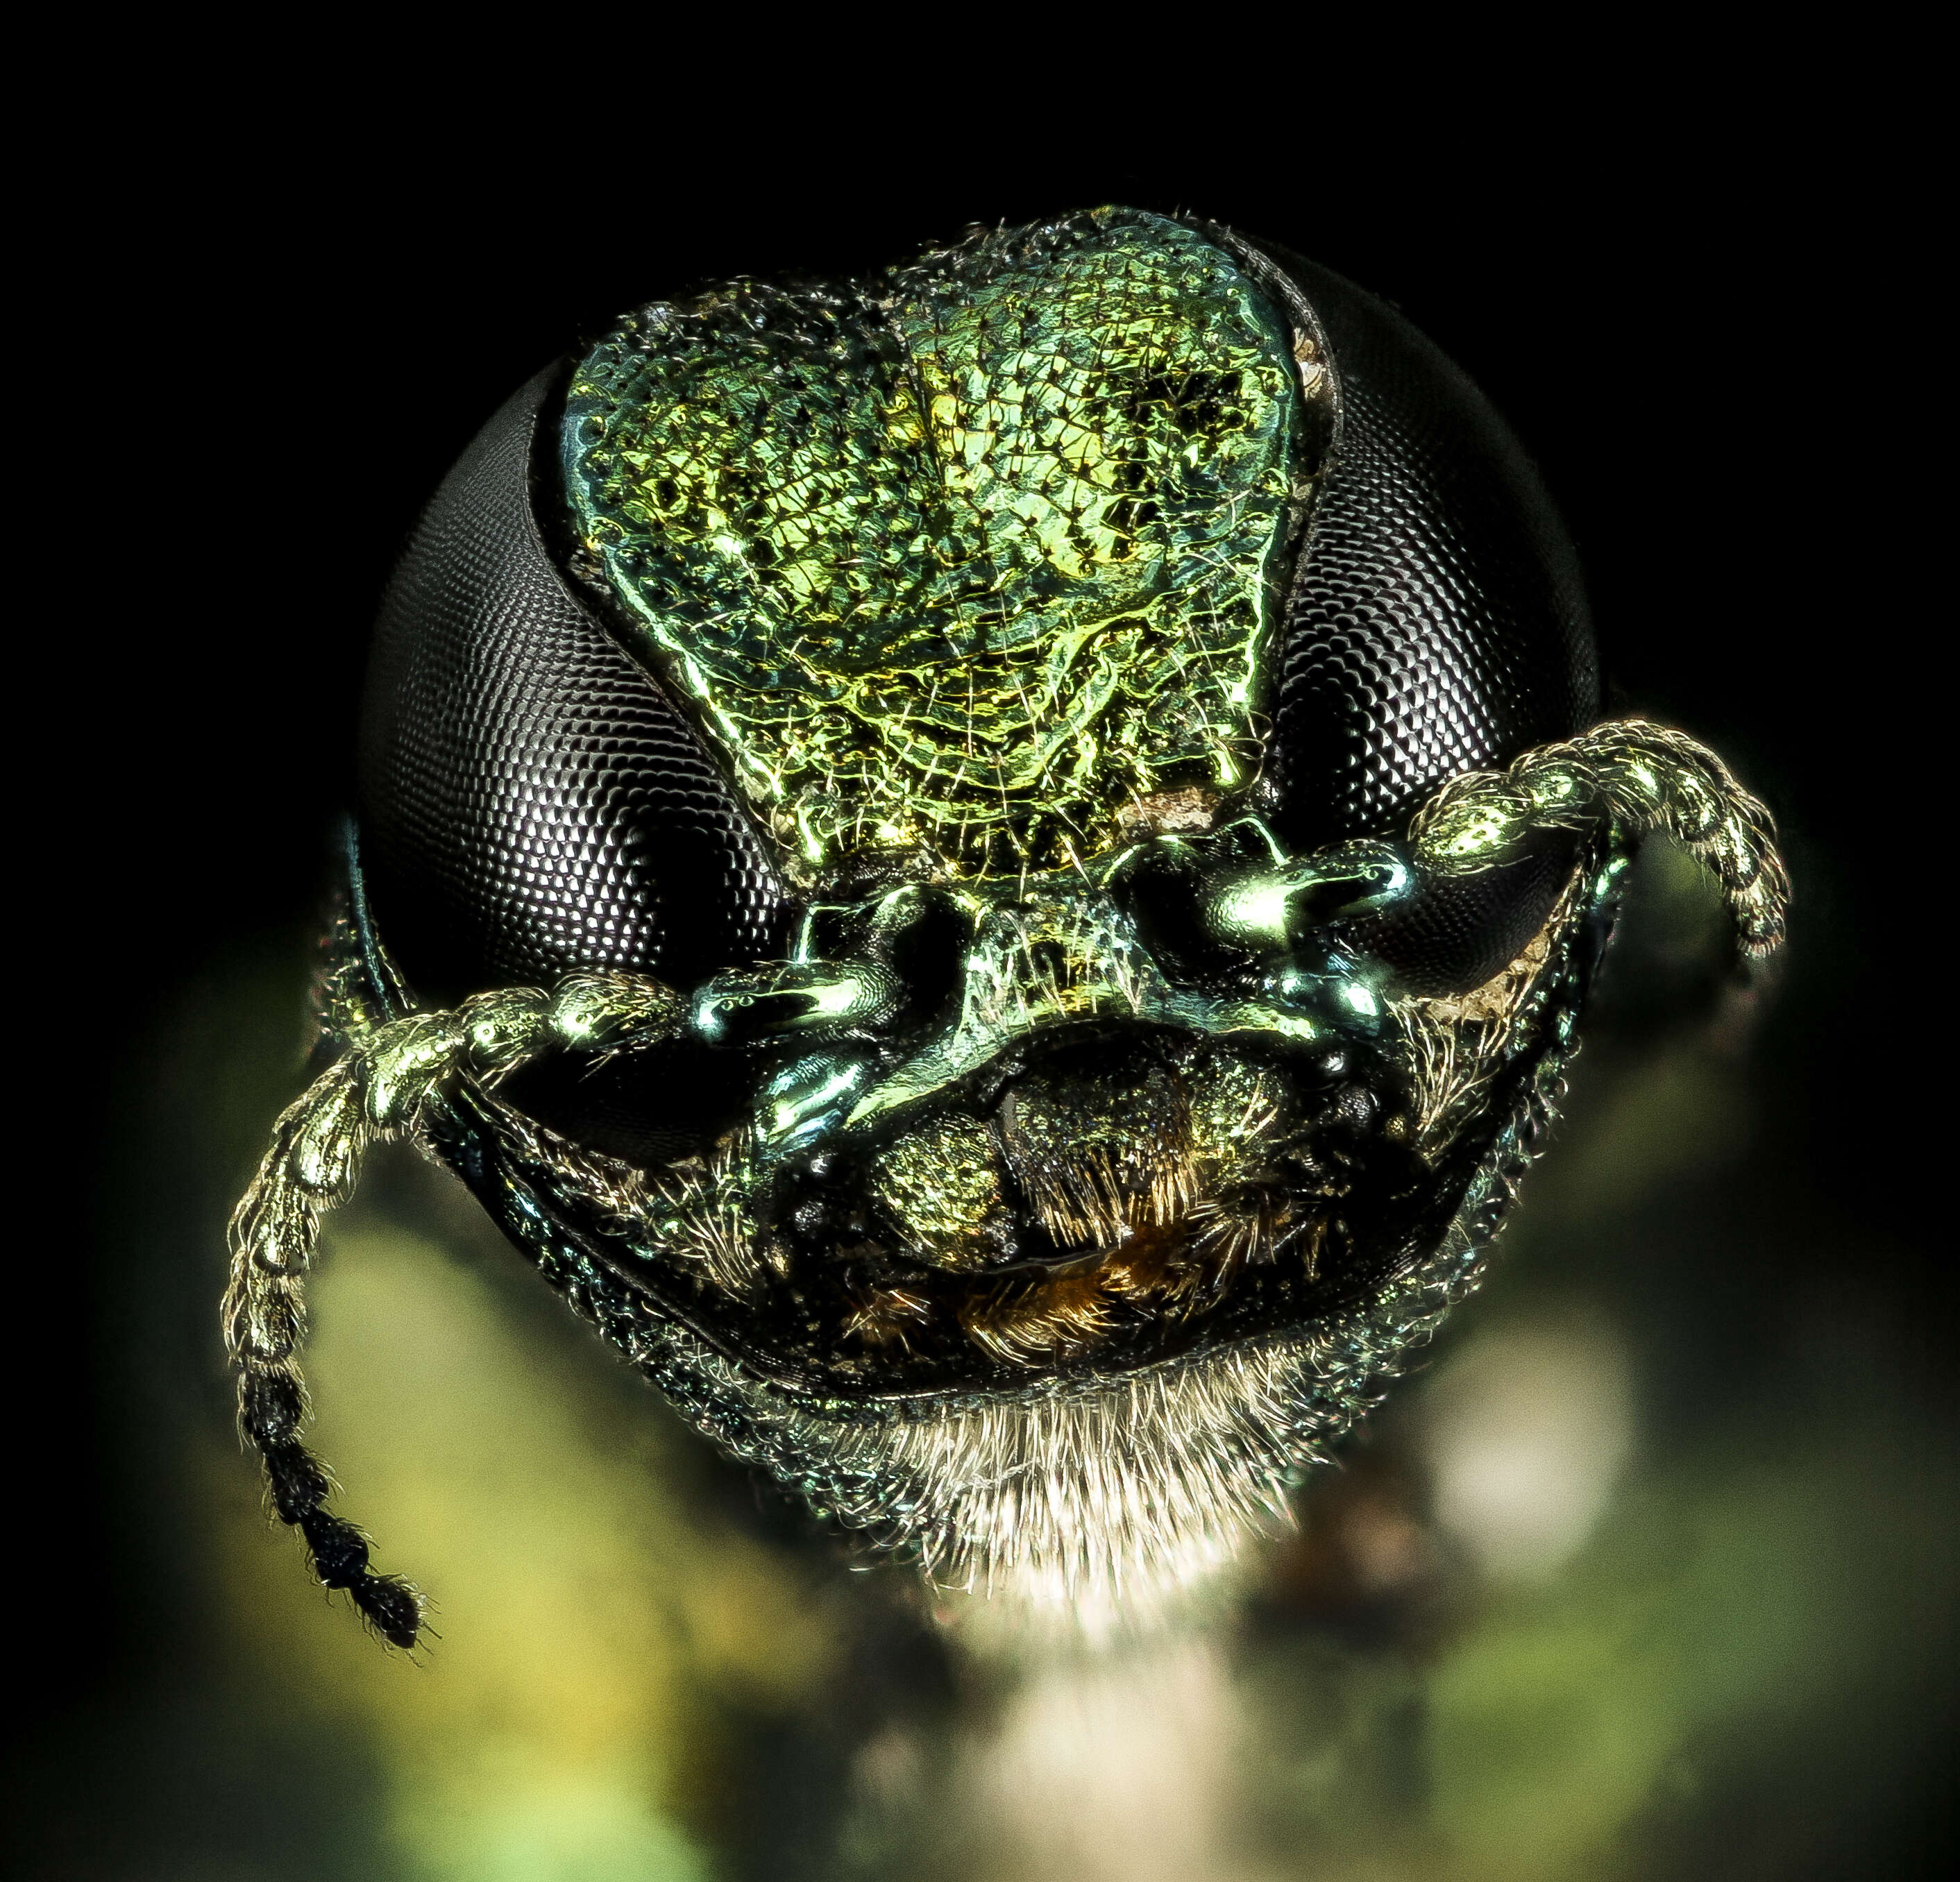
(997,698)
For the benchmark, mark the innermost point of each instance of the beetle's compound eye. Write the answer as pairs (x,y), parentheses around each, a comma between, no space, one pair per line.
(1436,625)
(533,803)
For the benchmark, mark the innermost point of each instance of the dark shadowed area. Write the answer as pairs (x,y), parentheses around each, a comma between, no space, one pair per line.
(1649,1573)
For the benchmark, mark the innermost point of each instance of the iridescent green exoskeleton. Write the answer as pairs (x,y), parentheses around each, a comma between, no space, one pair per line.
(1101,1103)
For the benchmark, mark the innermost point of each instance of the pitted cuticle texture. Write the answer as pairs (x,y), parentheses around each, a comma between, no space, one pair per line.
(531,801)
(1437,623)
(966,557)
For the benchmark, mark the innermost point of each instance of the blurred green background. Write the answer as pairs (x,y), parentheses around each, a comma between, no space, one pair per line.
(1648,1572)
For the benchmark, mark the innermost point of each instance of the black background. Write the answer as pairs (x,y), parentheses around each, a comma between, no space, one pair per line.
(279,301)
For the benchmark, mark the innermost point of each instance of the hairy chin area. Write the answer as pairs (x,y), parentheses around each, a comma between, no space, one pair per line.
(1087,1510)
(1118,1511)
(1092,1503)
(1125,1510)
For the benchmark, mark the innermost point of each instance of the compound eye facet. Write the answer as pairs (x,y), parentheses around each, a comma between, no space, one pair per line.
(1437,622)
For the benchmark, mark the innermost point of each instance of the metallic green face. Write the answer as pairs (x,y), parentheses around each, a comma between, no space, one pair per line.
(968,561)
(971,577)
